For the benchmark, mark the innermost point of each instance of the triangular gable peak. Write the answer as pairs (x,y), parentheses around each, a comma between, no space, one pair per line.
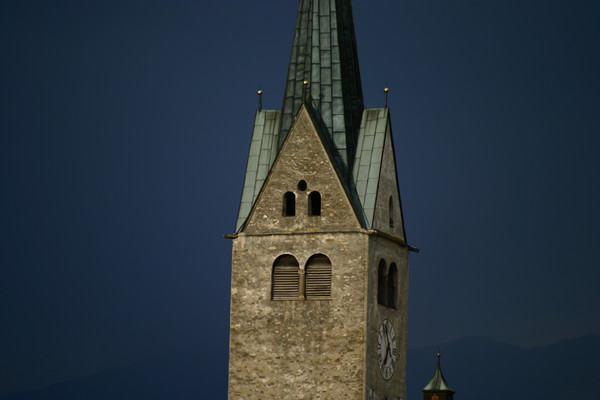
(262,154)
(303,169)
(387,216)
(375,174)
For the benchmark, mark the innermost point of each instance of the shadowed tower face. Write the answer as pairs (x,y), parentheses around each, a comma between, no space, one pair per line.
(320,258)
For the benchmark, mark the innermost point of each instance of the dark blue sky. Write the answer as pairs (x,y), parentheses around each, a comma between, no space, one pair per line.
(124,134)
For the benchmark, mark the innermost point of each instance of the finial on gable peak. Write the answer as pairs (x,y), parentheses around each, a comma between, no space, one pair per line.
(386,90)
(259,92)
(305,88)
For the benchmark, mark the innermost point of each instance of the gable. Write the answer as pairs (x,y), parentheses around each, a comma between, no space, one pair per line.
(263,151)
(375,173)
(367,163)
(303,157)
(388,209)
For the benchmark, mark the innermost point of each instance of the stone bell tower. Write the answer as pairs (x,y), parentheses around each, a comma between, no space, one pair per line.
(320,258)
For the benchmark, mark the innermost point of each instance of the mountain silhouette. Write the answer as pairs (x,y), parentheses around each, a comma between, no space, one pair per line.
(475,367)
(177,379)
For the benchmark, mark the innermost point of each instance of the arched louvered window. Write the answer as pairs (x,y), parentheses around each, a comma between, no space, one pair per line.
(391,211)
(381,283)
(392,286)
(318,277)
(286,278)
(289,204)
(314,203)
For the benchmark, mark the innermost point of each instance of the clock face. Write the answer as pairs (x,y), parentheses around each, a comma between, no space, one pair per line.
(387,352)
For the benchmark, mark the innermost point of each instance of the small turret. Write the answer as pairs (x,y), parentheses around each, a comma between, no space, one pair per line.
(437,388)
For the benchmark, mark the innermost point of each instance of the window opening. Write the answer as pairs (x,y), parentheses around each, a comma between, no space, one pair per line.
(318,277)
(314,203)
(302,185)
(381,275)
(286,278)
(392,286)
(289,204)
(391,211)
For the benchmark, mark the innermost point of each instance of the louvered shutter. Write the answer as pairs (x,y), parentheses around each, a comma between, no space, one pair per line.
(318,278)
(286,278)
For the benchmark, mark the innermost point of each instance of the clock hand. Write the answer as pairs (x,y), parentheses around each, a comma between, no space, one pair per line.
(387,350)
(385,358)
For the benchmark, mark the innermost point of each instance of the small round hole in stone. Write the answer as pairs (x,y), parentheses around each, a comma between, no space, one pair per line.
(302,185)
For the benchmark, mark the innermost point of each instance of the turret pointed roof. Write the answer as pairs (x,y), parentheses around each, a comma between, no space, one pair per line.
(324,57)
(438,383)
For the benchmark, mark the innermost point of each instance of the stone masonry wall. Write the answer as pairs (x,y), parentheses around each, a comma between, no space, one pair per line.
(299,349)
(302,157)
(315,349)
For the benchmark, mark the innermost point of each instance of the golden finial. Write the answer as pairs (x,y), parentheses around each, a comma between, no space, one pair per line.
(304,89)
(260,92)
(385,98)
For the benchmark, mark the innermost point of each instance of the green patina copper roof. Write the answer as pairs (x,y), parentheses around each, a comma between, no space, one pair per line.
(263,151)
(324,53)
(369,154)
(438,383)
(361,186)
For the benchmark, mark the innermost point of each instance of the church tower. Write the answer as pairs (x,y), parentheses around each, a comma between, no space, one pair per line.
(320,258)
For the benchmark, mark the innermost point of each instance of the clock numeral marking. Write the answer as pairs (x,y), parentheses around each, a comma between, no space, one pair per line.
(387,372)
(387,352)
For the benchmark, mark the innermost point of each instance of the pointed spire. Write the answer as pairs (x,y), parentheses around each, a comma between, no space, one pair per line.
(438,382)
(324,54)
